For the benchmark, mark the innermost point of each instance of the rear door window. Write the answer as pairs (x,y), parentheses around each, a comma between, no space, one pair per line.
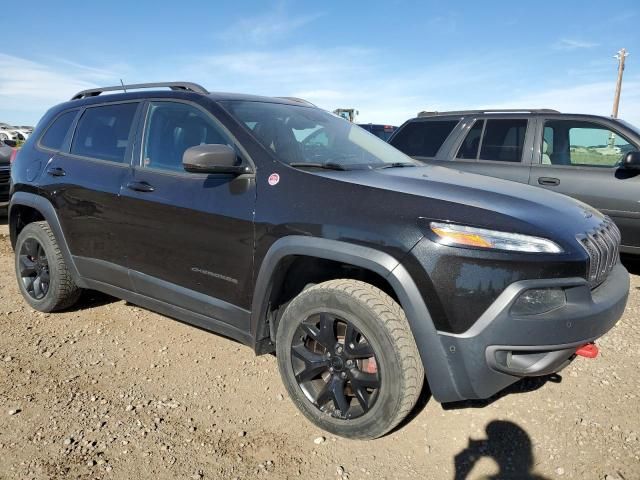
(503,140)
(423,138)
(103,132)
(56,133)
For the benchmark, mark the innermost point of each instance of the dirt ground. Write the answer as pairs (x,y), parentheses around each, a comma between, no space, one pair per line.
(110,390)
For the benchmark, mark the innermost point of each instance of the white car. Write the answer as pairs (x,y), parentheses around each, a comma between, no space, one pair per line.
(7,132)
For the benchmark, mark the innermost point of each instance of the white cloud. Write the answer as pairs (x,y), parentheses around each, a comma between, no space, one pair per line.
(266,28)
(594,98)
(573,44)
(28,88)
(335,77)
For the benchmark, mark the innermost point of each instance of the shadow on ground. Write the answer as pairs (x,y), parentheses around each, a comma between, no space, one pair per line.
(525,385)
(92,299)
(508,445)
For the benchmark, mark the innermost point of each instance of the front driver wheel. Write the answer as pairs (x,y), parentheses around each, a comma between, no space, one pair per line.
(348,359)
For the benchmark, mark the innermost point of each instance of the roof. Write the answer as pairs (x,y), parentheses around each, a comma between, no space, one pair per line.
(486,111)
(175,89)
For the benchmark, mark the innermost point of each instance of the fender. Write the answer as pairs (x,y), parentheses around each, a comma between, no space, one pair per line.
(432,352)
(45,208)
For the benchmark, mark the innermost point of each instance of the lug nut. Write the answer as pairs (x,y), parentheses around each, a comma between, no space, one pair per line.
(343,375)
(331,369)
(352,346)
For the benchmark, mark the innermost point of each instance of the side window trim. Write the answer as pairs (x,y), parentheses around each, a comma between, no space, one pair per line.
(603,123)
(462,136)
(131,139)
(138,161)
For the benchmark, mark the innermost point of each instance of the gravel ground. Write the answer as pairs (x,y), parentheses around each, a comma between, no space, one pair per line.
(110,390)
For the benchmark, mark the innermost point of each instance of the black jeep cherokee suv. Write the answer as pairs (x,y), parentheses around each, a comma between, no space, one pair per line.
(291,230)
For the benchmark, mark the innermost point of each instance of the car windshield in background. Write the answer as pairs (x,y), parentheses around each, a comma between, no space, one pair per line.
(304,136)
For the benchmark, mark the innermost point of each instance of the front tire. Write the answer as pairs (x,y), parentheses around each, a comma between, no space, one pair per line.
(348,359)
(43,276)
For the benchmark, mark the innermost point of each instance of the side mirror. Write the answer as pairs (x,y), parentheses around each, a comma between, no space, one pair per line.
(212,158)
(631,161)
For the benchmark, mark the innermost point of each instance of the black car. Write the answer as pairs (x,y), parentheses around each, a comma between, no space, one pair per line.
(381,131)
(592,158)
(6,153)
(293,231)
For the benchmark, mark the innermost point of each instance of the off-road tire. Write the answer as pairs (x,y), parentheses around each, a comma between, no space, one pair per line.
(383,322)
(62,291)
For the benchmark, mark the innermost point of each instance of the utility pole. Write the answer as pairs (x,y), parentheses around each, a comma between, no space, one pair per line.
(621,55)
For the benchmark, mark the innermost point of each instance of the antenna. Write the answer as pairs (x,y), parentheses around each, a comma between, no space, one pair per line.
(123,87)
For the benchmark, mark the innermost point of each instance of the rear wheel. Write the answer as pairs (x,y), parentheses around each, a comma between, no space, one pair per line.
(348,359)
(43,277)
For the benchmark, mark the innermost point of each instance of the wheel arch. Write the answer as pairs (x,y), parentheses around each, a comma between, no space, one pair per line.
(26,208)
(432,353)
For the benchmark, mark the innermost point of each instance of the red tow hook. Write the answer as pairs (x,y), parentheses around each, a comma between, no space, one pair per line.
(590,350)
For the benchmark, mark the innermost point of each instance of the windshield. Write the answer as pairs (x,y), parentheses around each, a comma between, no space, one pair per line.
(301,135)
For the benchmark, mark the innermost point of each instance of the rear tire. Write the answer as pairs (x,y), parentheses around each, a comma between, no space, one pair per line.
(348,358)
(43,276)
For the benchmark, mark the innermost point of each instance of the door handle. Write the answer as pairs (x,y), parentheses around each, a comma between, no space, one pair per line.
(56,172)
(140,187)
(548,181)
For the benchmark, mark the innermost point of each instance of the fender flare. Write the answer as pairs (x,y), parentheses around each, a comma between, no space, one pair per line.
(49,213)
(432,352)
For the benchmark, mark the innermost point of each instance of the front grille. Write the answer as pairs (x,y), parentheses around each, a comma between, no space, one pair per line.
(603,246)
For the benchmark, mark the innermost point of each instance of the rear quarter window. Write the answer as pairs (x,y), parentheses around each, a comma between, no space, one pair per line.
(56,133)
(423,138)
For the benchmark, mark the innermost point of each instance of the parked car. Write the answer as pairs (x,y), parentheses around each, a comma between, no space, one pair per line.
(583,156)
(381,131)
(6,153)
(8,133)
(360,268)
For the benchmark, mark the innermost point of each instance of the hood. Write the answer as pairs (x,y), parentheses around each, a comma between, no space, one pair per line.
(484,201)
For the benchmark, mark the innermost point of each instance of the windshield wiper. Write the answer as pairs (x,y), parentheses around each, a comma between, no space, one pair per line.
(397,165)
(325,165)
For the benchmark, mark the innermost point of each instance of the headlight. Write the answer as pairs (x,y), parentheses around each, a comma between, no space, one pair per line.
(460,235)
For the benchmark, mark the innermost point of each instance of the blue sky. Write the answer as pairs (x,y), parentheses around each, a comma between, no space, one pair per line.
(387,59)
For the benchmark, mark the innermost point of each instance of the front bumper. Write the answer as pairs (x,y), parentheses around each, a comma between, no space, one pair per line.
(500,348)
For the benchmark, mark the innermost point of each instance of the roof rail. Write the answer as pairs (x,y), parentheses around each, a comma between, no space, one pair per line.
(497,110)
(298,100)
(93,92)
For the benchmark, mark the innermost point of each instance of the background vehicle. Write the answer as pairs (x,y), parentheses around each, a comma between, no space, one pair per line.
(347,113)
(6,153)
(292,230)
(578,155)
(381,131)
(8,133)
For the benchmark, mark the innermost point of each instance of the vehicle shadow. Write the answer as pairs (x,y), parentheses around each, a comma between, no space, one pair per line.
(92,299)
(525,385)
(506,443)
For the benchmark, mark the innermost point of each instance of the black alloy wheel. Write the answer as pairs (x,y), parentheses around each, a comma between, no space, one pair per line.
(335,366)
(34,269)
